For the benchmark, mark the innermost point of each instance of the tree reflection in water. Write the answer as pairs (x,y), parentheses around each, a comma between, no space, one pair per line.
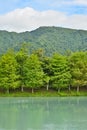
(43,113)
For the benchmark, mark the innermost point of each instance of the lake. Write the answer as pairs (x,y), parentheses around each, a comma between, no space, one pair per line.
(61,113)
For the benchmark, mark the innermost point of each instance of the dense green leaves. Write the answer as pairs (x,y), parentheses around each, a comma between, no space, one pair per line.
(60,72)
(78,65)
(8,71)
(21,57)
(33,71)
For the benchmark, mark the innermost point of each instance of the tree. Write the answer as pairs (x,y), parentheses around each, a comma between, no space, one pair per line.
(46,81)
(39,53)
(34,73)
(78,65)
(60,72)
(21,58)
(47,71)
(8,71)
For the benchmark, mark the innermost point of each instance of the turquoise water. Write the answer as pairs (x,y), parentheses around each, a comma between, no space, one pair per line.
(43,113)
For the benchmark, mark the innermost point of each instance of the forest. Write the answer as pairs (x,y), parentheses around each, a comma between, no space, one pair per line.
(51,39)
(22,70)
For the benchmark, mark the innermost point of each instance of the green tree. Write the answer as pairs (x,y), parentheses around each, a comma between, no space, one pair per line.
(47,71)
(60,72)
(21,57)
(34,72)
(39,53)
(8,71)
(46,81)
(78,65)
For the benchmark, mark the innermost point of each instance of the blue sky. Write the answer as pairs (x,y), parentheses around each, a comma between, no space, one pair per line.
(40,5)
(65,13)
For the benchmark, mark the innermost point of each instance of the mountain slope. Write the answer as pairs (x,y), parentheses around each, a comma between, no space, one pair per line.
(52,39)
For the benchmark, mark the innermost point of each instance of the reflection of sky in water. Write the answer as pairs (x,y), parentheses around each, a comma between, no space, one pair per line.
(43,113)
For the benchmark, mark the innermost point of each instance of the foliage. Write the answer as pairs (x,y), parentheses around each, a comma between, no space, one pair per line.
(51,39)
(33,72)
(61,74)
(78,65)
(8,71)
(21,57)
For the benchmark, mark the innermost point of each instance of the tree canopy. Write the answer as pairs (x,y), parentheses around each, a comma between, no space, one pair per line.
(32,71)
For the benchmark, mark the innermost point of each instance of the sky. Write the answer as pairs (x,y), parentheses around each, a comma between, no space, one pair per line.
(27,15)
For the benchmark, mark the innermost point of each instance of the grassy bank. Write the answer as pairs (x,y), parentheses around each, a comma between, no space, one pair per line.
(44,94)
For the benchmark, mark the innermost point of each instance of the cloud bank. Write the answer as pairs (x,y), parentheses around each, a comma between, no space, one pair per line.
(28,19)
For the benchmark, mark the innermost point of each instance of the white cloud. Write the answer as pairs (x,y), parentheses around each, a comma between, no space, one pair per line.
(28,19)
(77,22)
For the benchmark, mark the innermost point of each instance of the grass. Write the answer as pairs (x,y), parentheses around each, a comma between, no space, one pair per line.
(44,94)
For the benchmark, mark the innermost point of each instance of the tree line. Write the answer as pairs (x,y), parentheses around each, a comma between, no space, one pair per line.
(34,71)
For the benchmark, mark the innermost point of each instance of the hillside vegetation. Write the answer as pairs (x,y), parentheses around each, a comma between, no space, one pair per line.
(51,39)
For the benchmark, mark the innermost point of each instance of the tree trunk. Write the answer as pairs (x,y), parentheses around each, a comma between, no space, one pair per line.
(47,86)
(69,88)
(22,89)
(7,91)
(58,90)
(32,90)
(77,89)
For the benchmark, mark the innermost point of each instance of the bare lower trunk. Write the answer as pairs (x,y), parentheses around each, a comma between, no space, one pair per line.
(32,90)
(69,88)
(77,89)
(47,87)
(7,91)
(58,90)
(22,89)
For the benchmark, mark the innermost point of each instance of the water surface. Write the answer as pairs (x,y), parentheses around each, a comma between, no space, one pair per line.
(43,113)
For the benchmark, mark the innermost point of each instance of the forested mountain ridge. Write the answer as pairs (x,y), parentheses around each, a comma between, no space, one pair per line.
(51,39)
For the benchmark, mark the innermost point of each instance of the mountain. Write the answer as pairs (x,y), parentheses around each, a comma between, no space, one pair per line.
(51,39)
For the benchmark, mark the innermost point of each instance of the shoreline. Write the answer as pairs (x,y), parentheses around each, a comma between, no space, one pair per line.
(45,94)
